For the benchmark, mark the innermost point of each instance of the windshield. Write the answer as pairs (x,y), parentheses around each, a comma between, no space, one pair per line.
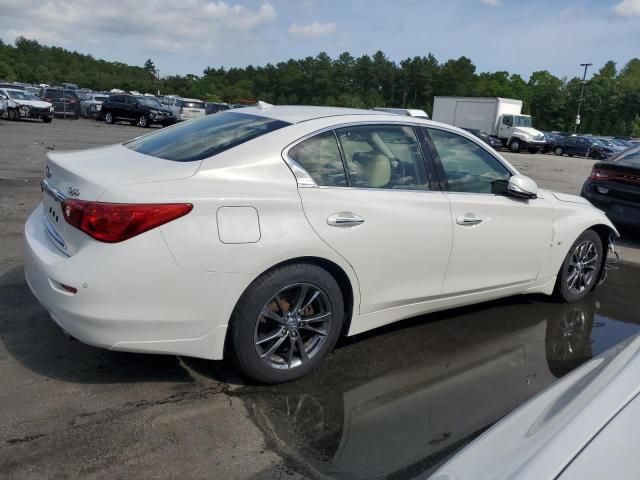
(149,102)
(205,137)
(20,95)
(608,143)
(595,141)
(522,121)
(621,143)
(630,157)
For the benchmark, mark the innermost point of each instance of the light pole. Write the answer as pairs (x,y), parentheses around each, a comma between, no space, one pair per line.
(157,72)
(584,80)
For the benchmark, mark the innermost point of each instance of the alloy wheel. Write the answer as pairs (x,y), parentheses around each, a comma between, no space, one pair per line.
(292,326)
(582,267)
(142,121)
(108,118)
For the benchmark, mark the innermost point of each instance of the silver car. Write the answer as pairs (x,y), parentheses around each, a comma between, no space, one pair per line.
(91,104)
(186,108)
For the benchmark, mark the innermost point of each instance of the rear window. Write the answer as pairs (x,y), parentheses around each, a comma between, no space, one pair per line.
(186,104)
(630,158)
(53,93)
(204,137)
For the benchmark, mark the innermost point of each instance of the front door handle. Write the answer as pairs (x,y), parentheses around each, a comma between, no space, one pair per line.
(345,219)
(468,219)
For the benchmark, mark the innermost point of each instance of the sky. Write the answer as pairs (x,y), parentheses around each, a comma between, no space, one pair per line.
(186,36)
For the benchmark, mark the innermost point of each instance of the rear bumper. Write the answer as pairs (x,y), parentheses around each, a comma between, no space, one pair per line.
(621,212)
(131,296)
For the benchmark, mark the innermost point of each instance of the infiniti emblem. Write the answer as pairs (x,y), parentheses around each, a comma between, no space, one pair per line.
(73,191)
(47,172)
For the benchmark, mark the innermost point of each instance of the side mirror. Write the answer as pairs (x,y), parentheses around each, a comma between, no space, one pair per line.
(521,186)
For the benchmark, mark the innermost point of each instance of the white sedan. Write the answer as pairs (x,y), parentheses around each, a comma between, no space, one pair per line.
(267,232)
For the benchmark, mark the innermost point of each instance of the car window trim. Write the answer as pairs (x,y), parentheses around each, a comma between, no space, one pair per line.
(304,180)
(444,183)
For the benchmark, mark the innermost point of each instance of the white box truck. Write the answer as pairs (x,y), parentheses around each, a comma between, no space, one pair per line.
(500,117)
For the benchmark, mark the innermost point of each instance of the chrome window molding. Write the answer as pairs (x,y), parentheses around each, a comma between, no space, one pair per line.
(306,181)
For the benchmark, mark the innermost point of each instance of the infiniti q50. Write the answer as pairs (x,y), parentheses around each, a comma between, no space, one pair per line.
(263,234)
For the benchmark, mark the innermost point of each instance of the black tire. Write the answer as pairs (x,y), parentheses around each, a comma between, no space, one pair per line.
(246,320)
(108,118)
(515,145)
(47,119)
(558,151)
(13,115)
(563,289)
(143,121)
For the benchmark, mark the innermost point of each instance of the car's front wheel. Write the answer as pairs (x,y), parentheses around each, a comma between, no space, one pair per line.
(581,268)
(558,151)
(514,146)
(286,323)
(143,121)
(47,119)
(13,114)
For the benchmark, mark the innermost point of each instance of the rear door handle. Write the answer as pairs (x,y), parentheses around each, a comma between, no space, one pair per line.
(344,219)
(468,219)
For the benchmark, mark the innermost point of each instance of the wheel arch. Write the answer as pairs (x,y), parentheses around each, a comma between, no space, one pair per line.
(347,287)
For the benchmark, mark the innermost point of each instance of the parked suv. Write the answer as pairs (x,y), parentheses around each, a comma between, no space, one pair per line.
(186,108)
(215,107)
(65,102)
(137,110)
(584,147)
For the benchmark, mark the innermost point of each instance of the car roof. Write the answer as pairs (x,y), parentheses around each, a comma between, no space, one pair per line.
(298,113)
(190,99)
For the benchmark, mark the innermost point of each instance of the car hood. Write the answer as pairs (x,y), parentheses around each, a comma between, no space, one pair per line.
(532,132)
(33,103)
(544,435)
(565,197)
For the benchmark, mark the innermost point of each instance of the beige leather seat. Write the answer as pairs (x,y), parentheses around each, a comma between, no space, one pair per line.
(376,169)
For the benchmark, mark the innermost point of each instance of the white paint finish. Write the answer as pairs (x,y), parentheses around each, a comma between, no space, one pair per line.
(238,225)
(614,451)
(543,436)
(173,289)
(400,252)
(506,248)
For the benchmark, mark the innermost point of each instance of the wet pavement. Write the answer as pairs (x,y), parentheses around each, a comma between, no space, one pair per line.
(395,404)
(392,403)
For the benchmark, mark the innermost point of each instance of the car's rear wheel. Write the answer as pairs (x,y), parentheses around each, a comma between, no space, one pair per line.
(13,114)
(286,323)
(581,267)
(47,119)
(558,151)
(108,118)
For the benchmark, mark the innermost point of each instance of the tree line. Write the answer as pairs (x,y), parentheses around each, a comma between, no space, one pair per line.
(611,99)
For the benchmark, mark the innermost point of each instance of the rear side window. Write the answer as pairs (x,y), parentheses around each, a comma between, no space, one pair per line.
(320,157)
(204,137)
(53,93)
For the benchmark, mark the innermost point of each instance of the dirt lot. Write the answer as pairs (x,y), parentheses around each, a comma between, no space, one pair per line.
(74,411)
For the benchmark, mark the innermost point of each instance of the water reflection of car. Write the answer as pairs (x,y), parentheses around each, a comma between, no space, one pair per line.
(23,104)
(584,426)
(91,104)
(434,392)
(614,186)
(485,137)
(583,147)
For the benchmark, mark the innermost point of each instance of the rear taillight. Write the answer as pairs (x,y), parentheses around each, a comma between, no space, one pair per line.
(598,174)
(115,222)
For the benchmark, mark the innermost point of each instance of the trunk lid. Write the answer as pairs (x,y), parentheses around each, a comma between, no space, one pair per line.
(87,174)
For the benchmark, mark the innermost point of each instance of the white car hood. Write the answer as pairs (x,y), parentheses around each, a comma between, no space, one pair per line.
(565,197)
(33,103)
(545,434)
(532,132)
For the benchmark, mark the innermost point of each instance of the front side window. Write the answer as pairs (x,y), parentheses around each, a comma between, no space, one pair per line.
(467,166)
(383,156)
(508,120)
(204,137)
(320,157)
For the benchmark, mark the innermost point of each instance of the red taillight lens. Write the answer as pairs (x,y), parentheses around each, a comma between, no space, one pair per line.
(115,222)
(598,174)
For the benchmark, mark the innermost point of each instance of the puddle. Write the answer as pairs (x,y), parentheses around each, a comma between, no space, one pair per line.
(397,402)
